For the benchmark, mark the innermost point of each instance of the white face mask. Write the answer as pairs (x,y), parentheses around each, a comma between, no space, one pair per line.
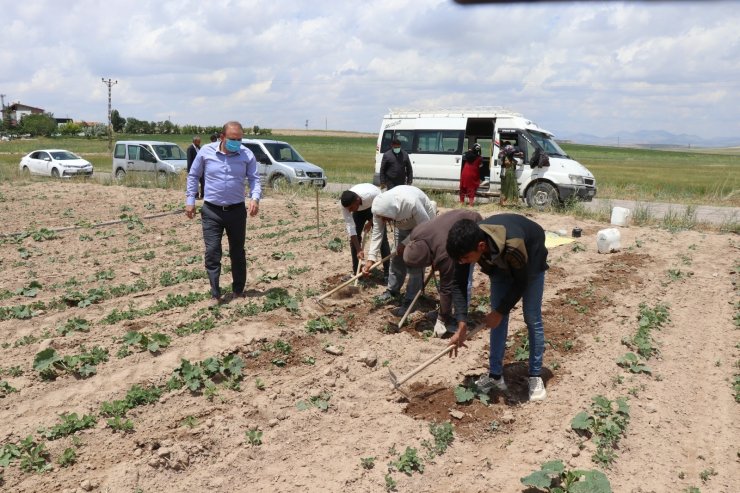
(396,150)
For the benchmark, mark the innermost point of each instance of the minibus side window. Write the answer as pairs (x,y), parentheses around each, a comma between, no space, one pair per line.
(439,141)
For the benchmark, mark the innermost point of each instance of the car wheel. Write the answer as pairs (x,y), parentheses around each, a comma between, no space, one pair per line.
(120,174)
(279,182)
(54,173)
(542,196)
(25,172)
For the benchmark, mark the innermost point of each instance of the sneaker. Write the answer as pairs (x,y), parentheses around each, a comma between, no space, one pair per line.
(400,311)
(439,328)
(386,297)
(537,390)
(485,383)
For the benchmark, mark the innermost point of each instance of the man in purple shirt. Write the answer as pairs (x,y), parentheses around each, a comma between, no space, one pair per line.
(225,165)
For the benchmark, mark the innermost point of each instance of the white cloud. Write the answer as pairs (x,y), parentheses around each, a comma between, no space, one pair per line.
(585,67)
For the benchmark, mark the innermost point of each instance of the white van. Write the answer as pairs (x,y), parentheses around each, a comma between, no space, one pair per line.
(436,140)
(162,158)
(279,164)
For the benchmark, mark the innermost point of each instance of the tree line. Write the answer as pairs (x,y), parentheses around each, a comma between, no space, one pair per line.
(44,125)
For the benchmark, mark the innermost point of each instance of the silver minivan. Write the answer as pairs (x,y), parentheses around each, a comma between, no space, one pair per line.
(161,158)
(279,164)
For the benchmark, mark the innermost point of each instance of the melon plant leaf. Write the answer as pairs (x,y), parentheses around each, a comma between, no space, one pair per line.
(582,422)
(554,467)
(463,394)
(45,359)
(132,338)
(538,479)
(591,482)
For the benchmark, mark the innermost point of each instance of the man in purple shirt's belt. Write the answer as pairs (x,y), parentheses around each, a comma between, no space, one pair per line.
(225,165)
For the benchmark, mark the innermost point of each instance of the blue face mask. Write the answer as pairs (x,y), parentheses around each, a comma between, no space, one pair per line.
(233,145)
(396,150)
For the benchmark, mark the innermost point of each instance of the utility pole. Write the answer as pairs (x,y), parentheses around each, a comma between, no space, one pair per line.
(2,110)
(110,83)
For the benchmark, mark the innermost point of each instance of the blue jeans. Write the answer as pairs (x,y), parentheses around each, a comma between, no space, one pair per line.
(532,307)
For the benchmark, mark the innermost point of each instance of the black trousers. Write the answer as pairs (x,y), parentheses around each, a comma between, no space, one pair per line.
(360,218)
(215,221)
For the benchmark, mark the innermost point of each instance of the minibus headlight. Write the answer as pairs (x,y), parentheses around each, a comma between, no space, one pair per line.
(576,179)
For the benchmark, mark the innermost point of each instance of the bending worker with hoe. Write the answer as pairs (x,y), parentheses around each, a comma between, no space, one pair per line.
(406,207)
(511,249)
(427,245)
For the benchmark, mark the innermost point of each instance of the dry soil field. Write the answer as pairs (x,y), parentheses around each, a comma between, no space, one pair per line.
(129,300)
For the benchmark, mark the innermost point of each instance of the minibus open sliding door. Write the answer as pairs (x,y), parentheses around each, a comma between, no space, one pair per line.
(480,130)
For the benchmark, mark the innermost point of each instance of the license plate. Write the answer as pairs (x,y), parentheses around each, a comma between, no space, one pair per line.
(318,183)
(591,193)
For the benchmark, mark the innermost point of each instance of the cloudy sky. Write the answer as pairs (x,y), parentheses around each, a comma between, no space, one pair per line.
(588,67)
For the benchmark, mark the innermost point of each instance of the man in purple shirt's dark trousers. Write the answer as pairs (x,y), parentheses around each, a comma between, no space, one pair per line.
(225,164)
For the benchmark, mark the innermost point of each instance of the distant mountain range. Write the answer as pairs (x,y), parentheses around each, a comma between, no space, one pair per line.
(650,138)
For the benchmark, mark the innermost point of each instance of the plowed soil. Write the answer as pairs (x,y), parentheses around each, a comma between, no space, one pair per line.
(136,250)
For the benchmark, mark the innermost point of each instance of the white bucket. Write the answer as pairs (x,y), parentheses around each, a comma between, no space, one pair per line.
(620,216)
(607,240)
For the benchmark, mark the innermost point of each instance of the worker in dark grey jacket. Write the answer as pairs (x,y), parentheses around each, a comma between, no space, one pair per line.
(395,167)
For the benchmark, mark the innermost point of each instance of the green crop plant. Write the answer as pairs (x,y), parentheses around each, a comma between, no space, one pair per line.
(279,297)
(76,324)
(554,478)
(203,324)
(254,437)
(136,396)
(189,422)
(630,362)
(167,278)
(390,483)
(367,463)
(408,462)
(606,423)
(70,423)
(707,474)
(649,319)
(443,435)
(146,342)
(68,457)
(467,393)
(47,362)
(116,423)
(6,389)
(335,244)
(320,402)
(282,256)
(197,376)
(30,290)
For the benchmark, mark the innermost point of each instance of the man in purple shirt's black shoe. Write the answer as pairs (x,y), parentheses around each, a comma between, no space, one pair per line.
(225,165)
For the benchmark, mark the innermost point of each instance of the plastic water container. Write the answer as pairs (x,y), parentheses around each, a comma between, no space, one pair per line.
(620,216)
(607,240)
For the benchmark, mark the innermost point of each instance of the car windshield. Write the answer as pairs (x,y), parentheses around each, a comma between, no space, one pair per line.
(547,143)
(169,152)
(283,153)
(64,156)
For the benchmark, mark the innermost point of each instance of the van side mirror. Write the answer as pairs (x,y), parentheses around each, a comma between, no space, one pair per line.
(265,160)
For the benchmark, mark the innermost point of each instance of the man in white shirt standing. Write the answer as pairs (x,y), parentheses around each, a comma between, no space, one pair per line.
(358,216)
(406,207)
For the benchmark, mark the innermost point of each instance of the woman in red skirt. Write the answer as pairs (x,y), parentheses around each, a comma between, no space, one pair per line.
(470,174)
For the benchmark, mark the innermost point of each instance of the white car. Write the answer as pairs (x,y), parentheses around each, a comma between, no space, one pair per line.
(56,163)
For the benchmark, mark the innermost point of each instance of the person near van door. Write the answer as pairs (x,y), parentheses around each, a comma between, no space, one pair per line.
(510,249)
(214,137)
(226,165)
(358,216)
(427,245)
(405,207)
(395,167)
(509,186)
(470,174)
(192,152)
